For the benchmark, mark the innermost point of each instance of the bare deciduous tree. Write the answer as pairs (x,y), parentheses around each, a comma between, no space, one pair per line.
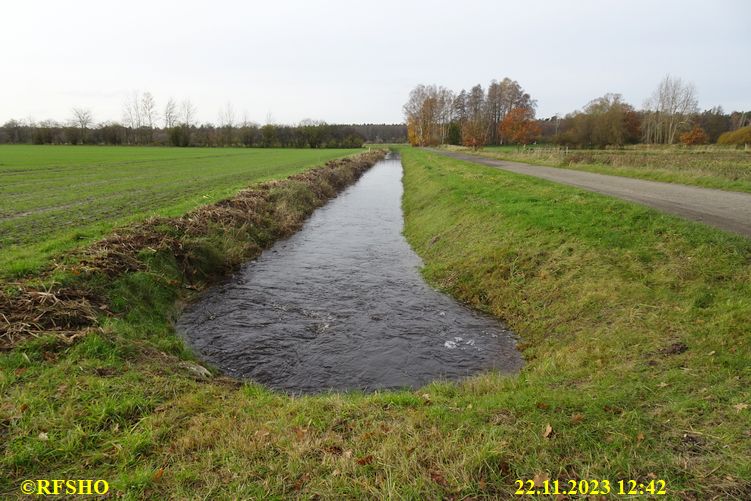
(82,118)
(148,112)
(428,112)
(132,111)
(170,114)
(187,112)
(668,110)
(502,98)
(227,123)
(475,130)
(132,118)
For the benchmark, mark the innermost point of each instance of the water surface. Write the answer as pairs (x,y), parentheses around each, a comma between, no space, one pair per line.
(341,305)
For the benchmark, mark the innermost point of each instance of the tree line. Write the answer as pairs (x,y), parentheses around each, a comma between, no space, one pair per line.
(505,114)
(502,114)
(143,123)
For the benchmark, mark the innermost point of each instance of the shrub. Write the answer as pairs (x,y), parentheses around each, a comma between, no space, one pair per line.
(694,136)
(740,136)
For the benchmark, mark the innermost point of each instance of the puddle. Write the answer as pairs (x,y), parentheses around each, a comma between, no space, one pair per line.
(341,305)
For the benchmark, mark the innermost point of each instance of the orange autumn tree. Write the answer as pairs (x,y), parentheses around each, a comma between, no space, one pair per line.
(519,126)
(694,136)
(475,125)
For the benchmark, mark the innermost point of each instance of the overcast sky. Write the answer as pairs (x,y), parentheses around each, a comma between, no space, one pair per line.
(352,61)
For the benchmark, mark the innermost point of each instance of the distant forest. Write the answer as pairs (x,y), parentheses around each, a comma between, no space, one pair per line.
(175,125)
(313,135)
(505,114)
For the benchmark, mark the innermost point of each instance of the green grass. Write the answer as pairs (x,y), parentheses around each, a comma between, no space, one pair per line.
(600,291)
(724,168)
(53,198)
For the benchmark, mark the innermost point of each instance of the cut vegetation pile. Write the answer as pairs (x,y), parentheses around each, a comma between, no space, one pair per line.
(204,243)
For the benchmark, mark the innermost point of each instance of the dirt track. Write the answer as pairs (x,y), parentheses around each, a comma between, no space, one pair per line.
(727,210)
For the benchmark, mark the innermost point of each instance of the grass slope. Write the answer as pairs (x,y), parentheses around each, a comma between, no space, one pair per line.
(707,166)
(54,198)
(635,326)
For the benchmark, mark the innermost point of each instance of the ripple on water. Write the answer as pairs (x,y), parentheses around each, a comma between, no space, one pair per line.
(341,305)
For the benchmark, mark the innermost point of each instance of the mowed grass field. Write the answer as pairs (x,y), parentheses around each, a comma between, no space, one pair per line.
(53,198)
(719,167)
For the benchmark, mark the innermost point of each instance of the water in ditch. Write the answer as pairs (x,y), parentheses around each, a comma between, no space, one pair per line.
(341,305)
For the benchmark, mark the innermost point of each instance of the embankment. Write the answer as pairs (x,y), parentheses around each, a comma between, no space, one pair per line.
(636,326)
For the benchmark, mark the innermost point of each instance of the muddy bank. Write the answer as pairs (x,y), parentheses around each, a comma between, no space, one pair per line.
(341,305)
(205,244)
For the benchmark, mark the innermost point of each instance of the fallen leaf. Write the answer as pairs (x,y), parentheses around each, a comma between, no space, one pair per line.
(740,407)
(300,432)
(469,406)
(333,449)
(548,431)
(436,477)
(20,371)
(542,405)
(43,437)
(577,418)
(365,460)
(301,481)
(640,437)
(158,474)
(540,479)
(23,407)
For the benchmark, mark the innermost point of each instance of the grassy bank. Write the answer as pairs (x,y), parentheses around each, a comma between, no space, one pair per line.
(723,168)
(635,327)
(53,198)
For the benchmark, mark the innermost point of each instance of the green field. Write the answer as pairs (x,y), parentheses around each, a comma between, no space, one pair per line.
(724,168)
(634,326)
(55,197)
